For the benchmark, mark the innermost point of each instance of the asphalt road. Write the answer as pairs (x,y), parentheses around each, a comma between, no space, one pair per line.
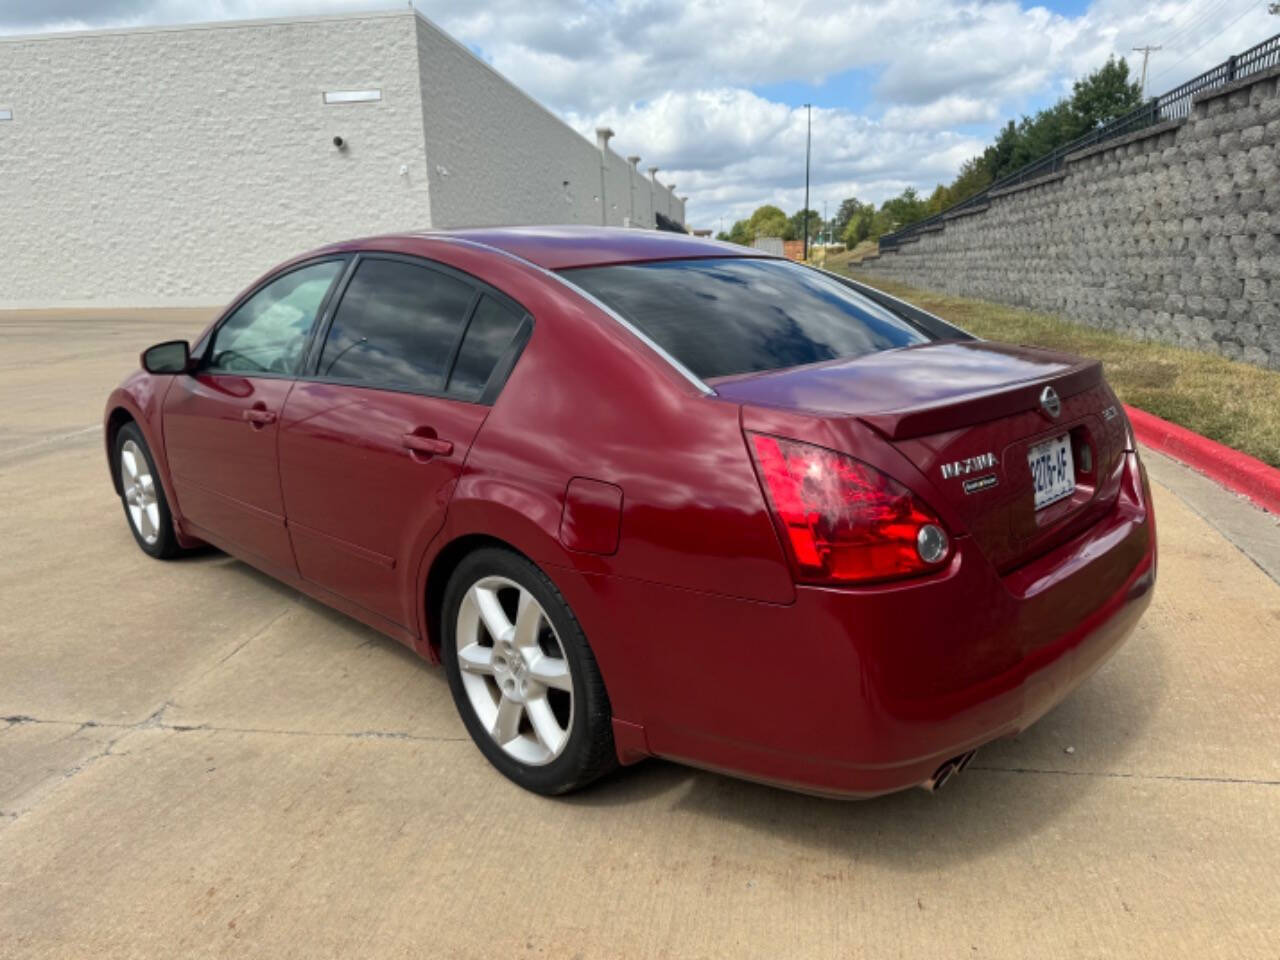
(198,762)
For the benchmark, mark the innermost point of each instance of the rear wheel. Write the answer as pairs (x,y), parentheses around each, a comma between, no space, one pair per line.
(145,505)
(522,675)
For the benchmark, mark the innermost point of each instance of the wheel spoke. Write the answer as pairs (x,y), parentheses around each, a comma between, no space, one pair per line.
(130,463)
(491,612)
(145,526)
(528,620)
(506,725)
(545,726)
(552,672)
(474,658)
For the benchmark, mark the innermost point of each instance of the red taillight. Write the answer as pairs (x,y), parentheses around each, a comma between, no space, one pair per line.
(845,521)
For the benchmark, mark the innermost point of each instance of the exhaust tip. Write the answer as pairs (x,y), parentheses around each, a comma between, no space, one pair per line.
(947,770)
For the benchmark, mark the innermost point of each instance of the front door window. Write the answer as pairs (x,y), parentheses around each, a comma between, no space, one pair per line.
(268,332)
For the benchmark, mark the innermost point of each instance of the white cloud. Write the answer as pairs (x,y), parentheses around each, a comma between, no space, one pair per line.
(943,113)
(675,78)
(719,146)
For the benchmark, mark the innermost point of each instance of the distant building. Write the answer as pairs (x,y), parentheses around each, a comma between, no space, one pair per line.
(771,245)
(171,165)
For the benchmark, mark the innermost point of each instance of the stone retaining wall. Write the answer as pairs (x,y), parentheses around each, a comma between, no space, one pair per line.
(1169,234)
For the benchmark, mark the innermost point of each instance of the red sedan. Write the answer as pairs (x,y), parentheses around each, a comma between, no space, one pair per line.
(648,495)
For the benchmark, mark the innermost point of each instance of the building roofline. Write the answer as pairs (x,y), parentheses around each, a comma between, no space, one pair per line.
(54,35)
(516,87)
(50,35)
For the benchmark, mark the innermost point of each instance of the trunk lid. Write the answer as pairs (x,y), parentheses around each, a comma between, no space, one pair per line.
(967,414)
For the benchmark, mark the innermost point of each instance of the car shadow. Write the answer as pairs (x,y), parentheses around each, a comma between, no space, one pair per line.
(1013,788)
(365,635)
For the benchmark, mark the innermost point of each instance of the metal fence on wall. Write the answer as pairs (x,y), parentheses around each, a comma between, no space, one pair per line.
(1168,106)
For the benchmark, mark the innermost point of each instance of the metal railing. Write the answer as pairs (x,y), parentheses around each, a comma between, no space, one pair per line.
(1168,106)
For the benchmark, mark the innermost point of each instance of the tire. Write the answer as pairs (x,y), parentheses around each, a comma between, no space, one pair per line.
(538,678)
(145,508)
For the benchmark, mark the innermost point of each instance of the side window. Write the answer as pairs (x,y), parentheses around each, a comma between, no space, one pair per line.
(268,332)
(488,335)
(396,326)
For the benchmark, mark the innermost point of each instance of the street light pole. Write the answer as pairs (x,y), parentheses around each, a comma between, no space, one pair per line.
(808,137)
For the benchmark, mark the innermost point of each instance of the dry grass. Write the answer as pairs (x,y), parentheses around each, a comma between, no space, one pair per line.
(1234,403)
(838,261)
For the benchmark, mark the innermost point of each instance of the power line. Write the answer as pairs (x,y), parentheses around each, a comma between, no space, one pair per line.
(1197,22)
(1214,37)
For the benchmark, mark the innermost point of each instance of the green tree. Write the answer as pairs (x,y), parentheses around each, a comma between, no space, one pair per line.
(897,212)
(739,233)
(768,221)
(797,224)
(939,200)
(849,210)
(1104,95)
(975,176)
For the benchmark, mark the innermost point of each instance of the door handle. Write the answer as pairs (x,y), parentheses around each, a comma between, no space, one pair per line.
(258,417)
(427,446)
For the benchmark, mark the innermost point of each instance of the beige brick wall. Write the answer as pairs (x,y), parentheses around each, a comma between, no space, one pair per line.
(171,166)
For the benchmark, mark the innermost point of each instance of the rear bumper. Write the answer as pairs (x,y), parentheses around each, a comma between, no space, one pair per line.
(861,692)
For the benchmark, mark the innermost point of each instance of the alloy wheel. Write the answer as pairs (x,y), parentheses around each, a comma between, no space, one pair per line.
(140,492)
(514,670)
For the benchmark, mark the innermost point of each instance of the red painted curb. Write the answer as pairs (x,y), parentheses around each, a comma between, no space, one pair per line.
(1232,469)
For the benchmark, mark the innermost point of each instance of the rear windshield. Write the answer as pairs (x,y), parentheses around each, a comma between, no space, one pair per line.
(724,317)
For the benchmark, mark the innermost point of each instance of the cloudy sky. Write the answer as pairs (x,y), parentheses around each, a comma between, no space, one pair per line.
(711,90)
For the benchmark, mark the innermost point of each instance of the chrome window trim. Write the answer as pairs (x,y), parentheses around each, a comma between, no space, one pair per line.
(622,321)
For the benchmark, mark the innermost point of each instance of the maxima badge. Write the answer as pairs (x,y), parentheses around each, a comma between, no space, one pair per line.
(962,468)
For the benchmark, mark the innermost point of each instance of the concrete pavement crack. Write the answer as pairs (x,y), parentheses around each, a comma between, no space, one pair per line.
(1116,775)
(153,722)
(53,441)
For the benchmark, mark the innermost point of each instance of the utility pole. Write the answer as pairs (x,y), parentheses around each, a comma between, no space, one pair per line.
(808,139)
(1146,55)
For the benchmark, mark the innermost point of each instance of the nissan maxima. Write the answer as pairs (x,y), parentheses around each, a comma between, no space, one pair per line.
(643,494)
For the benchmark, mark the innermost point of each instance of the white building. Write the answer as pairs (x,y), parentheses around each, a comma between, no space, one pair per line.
(171,165)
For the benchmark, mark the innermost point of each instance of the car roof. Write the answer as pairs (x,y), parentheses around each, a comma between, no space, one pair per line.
(559,248)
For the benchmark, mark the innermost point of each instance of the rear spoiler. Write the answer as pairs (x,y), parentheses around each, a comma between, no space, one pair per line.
(980,407)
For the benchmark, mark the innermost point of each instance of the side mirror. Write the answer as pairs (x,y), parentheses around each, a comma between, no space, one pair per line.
(172,356)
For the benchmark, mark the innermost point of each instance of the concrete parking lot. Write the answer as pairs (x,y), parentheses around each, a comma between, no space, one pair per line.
(198,762)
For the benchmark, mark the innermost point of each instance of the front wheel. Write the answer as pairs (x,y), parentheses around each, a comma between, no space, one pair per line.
(143,497)
(523,676)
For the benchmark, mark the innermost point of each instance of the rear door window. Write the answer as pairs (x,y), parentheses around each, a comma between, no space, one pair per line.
(721,317)
(489,335)
(396,327)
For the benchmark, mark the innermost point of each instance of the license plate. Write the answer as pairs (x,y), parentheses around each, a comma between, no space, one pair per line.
(1053,470)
